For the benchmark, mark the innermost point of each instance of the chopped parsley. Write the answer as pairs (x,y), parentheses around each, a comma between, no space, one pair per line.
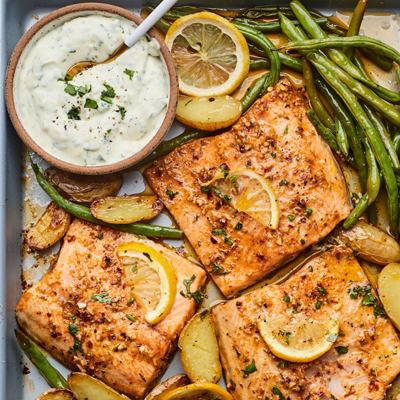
(130,317)
(239,226)
(218,269)
(228,241)
(219,232)
(89,103)
(237,351)
(275,390)
(249,369)
(73,113)
(107,95)
(286,130)
(283,364)
(233,178)
(294,310)
(322,290)
(205,189)
(130,73)
(189,102)
(130,301)
(273,154)
(203,315)
(198,295)
(102,298)
(368,299)
(70,89)
(121,110)
(318,305)
(341,349)
(216,191)
(144,379)
(333,397)
(134,268)
(310,268)
(171,194)
(286,298)
(226,197)
(291,217)
(308,212)
(283,182)
(100,237)
(73,330)
(82,90)
(302,241)
(233,383)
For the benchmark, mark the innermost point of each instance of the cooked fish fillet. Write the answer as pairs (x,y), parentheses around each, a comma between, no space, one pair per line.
(363,373)
(276,140)
(88,265)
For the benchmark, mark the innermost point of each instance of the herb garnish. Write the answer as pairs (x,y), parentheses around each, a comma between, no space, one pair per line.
(237,351)
(228,241)
(205,189)
(73,113)
(322,290)
(239,226)
(101,298)
(130,317)
(286,130)
(308,212)
(100,237)
(249,369)
(286,298)
(121,110)
(148,256)
(233,383)
(198,295)
(283,364)
(142,377)
(89,103)
(203,315)
(275,390)
(283,182)
(291,217)
(218,269)
(171,194)
(70,89)
(216,191)
(73,330)
(130,301)
(219,232)
(189,102)
(341,349)
(106,95)
(368,299)
(226,197)
(130,73)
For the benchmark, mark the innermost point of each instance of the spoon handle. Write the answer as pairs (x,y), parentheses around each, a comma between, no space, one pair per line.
(157,14)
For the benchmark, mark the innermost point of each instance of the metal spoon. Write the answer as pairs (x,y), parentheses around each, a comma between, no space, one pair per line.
(157,14)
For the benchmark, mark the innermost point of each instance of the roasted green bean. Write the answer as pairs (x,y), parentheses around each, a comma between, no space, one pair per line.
(341,137)
(253,94)
(316,102)
(52,376)
(84,213)
(384,62)
(273,26)
(390,128)
(162,25)
(355,24)
(324,132)
(396,141)
(259,63)
(359,64)
(262,41)
(387,141)
(358,210)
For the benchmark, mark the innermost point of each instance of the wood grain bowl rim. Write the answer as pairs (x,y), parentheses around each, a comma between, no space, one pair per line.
(80,169)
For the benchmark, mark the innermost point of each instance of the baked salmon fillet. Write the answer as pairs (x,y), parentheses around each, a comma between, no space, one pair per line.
(361,363)
(127,355)
(277,141)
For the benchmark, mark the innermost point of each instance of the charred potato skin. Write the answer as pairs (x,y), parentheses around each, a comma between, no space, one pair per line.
(56,394)
(49,229)
(152,203)
(83,189)
(165,387)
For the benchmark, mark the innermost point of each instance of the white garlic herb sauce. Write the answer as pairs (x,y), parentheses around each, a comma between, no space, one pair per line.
(104,114)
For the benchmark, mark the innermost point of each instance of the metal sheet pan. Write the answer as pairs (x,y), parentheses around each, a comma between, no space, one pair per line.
(16,17)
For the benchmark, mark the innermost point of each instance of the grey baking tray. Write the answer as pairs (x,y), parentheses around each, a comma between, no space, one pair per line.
(16,17)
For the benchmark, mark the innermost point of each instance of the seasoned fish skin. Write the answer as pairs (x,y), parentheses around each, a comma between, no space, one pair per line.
(88,265)
(364,372)
(276,140)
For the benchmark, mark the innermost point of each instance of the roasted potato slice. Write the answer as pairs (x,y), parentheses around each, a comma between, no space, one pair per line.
(370,243)
(208,113)
(126,209)
(167,386)
(56,394)
(50,228)
(83,189)
(86,387)
(199,349)
(389,293)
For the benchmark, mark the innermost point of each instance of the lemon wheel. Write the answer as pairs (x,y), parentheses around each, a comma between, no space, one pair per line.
(298,338)
(250,193)
(211,55)
(199,391)
(151,277)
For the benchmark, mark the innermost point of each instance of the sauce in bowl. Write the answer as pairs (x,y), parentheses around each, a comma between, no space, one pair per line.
(104,114)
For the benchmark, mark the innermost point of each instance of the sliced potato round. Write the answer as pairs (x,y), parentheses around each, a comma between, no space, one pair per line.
(167,386)
(389,292)
(199,349)
(371,243)
(50,228)
(208,113)
(126,209)
(56,394)
(83,189)
(86,387)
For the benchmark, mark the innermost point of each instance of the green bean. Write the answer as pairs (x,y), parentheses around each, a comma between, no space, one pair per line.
(359,210)
(324,132)
(341,137)
(172,15)
(373,137)
(359,64)
(315,100)
(339,109)
(52,376)
(273,26)
(84,213)
(396,141)
(286,59)
(355,24)
(374,181)
(188,9)
(397,70)
(387,141)
(254,93)
(261,40)
(384,62)
(167,146)
(162,25)
(259,63)
(390,128)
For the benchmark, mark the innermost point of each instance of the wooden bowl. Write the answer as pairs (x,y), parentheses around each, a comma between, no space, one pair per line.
(54,20)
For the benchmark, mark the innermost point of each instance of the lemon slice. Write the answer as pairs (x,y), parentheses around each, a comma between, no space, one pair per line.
(298,338)
(211,54)
(199,391)
(250,193)
(151,277)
